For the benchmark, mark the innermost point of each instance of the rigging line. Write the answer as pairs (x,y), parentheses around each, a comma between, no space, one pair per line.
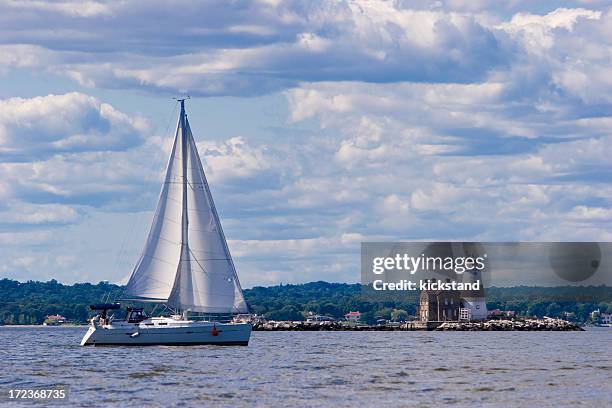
(154,309)
(126,238)
(198,262)
(170,117)
(173,311)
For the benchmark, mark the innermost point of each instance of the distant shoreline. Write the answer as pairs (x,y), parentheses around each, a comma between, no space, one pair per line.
(32,302)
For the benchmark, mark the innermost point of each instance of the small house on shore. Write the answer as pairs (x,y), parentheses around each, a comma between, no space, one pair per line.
(54,320)
(353,316)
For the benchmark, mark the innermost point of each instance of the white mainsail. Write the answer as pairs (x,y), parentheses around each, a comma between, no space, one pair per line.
(186,262)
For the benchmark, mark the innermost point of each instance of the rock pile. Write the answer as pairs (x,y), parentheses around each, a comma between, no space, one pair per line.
(546,324)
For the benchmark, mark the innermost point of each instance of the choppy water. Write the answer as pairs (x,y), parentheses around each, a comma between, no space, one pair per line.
(544,369)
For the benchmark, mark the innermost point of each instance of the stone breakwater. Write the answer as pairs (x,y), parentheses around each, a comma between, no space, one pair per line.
(511,325)
(491,325)
(318,326)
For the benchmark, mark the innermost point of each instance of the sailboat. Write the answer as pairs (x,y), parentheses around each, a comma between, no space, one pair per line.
(185,265)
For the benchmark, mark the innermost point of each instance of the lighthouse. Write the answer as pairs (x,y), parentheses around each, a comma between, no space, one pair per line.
(473,300)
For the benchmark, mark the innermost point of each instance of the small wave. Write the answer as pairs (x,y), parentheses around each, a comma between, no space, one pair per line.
(431,389)
(145,374)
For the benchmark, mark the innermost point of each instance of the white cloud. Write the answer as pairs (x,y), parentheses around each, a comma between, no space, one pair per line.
(585,213)
(25,56)
(220,49)
(16,212)
(560,18)
(46,125)
(71,8)
(23,238)
(444,161)
(233,158)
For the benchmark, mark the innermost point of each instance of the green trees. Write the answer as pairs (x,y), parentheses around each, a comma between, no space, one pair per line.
(368,317)
(30,302)
(288,312)
(399,315)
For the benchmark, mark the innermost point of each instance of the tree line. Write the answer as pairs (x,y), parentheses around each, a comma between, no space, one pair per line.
(30,302)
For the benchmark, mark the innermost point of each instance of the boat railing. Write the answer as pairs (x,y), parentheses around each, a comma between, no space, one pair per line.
(221,318)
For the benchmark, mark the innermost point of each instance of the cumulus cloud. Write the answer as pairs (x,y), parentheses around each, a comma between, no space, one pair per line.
(22,213)
(47,125)
(233,158)
(249,47)
(257,47)
(451,161)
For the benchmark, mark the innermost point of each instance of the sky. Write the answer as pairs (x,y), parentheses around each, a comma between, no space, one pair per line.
(320,125)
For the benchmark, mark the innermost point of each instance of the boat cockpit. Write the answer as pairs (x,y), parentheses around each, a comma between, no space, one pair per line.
(135,315)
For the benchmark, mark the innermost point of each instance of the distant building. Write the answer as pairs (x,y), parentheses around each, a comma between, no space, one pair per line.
(569,315)
(439,305)
(606,318)
(54,320)
(353,316)
(595,314)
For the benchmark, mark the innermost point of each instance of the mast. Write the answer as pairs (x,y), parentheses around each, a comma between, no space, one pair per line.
(185,215)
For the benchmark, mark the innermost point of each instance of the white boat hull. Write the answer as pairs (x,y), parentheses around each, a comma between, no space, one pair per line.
(175,333)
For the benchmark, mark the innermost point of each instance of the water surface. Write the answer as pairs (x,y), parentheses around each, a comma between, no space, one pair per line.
(544,369)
